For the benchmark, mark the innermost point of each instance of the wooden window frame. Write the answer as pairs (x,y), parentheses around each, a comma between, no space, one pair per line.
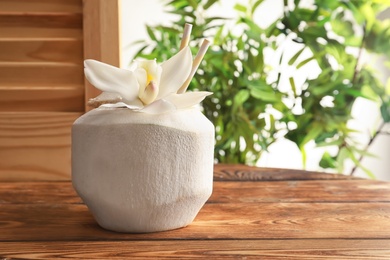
(101,27)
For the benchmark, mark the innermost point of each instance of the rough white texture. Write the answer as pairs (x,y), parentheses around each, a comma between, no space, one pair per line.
(140,172)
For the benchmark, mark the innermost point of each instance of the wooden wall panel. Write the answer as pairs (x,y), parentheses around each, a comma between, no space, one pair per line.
(48,50)
(28,31)
(31,66)
(42,88)
(35,146)
(53,6)
(40,19)
(40,74)
(63,99)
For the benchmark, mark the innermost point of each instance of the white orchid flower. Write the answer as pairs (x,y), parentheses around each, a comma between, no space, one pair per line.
(149,87)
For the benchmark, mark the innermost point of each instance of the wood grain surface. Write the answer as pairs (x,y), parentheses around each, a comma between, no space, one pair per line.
(35,145)
(306,249)
(59,98)
(250,173)
(365,191)
(31,31)
(295,215)
(47,6)
(101,37)
(73,222)
(42,50)
(43,44)
(38,68)
(41,77)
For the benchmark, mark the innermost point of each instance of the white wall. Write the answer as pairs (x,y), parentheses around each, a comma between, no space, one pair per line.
(283,154)
(135,14)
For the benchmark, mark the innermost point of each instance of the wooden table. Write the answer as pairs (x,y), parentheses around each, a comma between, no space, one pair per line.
(253,213)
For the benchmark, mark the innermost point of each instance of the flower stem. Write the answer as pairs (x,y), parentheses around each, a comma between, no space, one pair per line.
(357,68)
(372,139)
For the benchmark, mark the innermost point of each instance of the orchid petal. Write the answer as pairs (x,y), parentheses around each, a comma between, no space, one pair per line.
(111,79)
(187,99)
(119,104)
(133,65)
(158,107)
(141,76)
(175,71)
(122,104)
(135,103)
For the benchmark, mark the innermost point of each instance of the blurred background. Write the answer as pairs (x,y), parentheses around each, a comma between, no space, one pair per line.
(284,153)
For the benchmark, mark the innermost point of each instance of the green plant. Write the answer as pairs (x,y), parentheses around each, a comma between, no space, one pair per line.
(252,107)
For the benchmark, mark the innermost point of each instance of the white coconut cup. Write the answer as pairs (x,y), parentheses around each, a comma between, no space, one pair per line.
(140,172)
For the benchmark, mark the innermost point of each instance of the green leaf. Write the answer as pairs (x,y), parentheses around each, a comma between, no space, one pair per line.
(353,41)
(329,4)
(218,36)
(256,4)
(177,4)
(330,143)
(304,157)
(363,152)
(193,4)
(216,18)
(140,51)
(292,84)
(167,29)
(359,17)
(263,95)
(385,112)
(183,13)
(357,93)
(341,157)
(369,14)
(241,97)
(321,90)
(315,131)
(253,28)
(384,2)
(327,161)
(358,163)
(341,26)
(326,136)
(304,62)
(296,55)
(209,4)
(241,8)
(151,33)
